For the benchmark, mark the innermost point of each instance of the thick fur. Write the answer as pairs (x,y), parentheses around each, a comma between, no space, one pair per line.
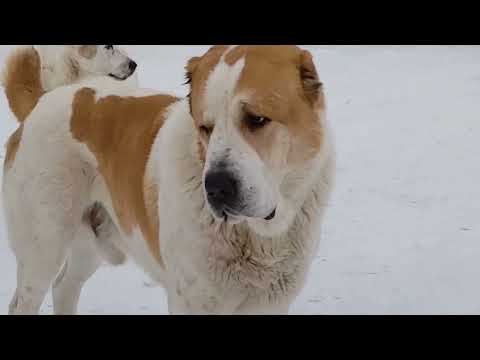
(32,71)
(209,265)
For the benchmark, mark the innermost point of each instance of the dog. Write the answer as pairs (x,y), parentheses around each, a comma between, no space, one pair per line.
(32,71)
(217,196)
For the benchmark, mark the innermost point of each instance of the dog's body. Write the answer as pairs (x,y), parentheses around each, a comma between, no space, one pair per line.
(111,171)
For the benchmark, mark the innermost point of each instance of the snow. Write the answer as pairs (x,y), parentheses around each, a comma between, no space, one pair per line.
(402,233)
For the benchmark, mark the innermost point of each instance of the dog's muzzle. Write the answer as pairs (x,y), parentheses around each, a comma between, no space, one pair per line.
(132,66)
(223,194)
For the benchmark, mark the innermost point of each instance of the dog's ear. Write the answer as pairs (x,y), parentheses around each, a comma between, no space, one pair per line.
(87,51)
(309,77)
(190,69)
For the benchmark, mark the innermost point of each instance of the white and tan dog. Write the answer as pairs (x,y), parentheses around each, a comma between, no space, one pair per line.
(32,71)
(216,196)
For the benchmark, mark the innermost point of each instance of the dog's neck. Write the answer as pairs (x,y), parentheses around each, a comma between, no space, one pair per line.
(58,66)
(241,257)
(254,258)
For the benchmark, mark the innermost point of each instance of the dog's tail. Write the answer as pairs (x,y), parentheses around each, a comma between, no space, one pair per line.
(21,80)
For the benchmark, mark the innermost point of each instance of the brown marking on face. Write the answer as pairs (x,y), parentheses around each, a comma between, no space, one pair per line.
(261,140)
(279,83)
(87,51)
(120,132)
(22,82)
(11,147)
(197,79)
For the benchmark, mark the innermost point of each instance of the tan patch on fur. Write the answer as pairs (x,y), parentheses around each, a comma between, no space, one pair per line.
(273,74)
(120,132)
(22,82)
(88,51)
(11,147)
(276,134)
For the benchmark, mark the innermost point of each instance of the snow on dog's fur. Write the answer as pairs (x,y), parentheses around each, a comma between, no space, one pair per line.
(216,196)
(32,71)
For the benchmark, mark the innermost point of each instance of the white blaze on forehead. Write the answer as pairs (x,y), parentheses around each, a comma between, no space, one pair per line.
(218,101)
(220,87)
(226,143)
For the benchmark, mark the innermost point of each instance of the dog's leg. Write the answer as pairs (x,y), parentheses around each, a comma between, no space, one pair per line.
(36,268)
(13,303)
(81,264)
(43,216)
(94,243)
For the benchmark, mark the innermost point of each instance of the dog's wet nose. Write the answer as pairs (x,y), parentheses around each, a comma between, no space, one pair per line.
(132,65)
(222,189)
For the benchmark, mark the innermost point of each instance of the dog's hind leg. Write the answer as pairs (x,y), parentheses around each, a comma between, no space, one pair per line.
(40,246)
(36,268)
(93,244)
(44,213)
(82,262)
(13,303)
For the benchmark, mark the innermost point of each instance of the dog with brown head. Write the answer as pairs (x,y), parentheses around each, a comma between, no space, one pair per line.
(258,111)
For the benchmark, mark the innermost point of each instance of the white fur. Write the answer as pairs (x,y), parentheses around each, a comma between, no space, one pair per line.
(252,267)
(224,109)
(64,64)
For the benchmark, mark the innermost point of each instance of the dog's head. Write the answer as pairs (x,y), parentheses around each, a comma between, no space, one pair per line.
(104,60)
(256,109)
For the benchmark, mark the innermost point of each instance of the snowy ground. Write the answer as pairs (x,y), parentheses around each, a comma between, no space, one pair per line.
(402,235)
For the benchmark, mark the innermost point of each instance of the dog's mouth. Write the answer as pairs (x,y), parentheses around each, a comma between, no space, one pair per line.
(272,215)
(229,216)
(117,77)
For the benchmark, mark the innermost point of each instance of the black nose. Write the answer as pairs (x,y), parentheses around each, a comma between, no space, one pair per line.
(132,65)
(222,190)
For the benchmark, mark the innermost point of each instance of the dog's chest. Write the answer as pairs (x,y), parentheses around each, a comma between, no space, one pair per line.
(271,267)
(224,273)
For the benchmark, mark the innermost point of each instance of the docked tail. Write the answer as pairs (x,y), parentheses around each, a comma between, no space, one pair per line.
(22,82)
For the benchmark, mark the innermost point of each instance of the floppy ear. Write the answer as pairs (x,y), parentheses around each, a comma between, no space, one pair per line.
(190,69)
(309,77)
(87,51)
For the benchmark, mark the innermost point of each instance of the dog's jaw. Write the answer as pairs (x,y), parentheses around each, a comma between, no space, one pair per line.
(278,225)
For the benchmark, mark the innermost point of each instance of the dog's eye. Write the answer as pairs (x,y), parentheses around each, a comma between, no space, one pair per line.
(109,47)
(255,122)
